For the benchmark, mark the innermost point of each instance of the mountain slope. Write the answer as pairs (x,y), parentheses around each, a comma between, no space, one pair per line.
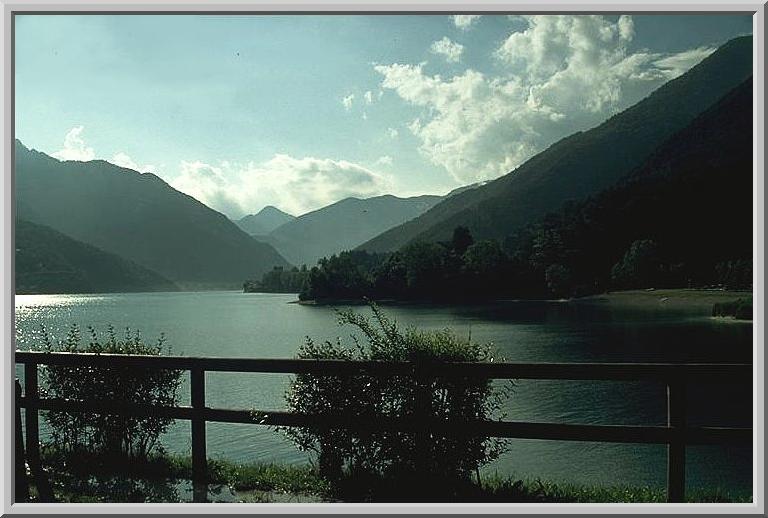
(343,225)
(138,217)
(583,163)
(689,202)
(47,261)
(264,222)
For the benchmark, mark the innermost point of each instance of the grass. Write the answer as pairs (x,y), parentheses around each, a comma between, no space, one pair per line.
(697,299)
(94,478)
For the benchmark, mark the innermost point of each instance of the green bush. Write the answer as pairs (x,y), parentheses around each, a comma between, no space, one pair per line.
(432,458)
(740,309)
(102,433)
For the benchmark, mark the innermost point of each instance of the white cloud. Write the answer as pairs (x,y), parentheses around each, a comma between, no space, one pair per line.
(392,133)
(677,64)
(368,97)
(451,50)
(560,74)
(384,160)
(75,147)
(465,21)
(626,27)
(124,160)
(347,101)
(296,185)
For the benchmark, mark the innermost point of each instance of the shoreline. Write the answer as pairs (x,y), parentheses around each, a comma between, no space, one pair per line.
(672,298)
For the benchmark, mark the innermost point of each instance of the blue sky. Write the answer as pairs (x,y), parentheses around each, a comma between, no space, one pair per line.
(300,111)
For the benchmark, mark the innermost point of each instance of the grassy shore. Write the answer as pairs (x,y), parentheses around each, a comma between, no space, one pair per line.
(90,478)
(697,299)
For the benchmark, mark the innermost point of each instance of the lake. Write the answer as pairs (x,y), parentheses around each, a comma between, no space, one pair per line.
(238,324)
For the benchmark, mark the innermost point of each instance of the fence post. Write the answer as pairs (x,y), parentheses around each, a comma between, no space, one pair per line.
(31,414)
(21,484)
(423,408)
(676,420)
(199,456)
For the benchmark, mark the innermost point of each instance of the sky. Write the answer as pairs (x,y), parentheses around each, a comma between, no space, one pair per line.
(301,111)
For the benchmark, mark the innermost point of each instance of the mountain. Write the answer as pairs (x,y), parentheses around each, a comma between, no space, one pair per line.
(682,216)
(264,222)
(583,163)
(47,261)
(343,225)
(138,217)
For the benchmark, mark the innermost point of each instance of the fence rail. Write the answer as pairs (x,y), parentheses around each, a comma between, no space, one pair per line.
(676,435)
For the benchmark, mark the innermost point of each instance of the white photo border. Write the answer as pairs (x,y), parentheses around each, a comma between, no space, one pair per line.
(11,7)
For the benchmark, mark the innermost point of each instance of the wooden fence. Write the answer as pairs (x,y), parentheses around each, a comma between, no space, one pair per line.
(676,435)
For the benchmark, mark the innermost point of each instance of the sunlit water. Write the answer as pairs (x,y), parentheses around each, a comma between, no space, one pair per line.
(265,325)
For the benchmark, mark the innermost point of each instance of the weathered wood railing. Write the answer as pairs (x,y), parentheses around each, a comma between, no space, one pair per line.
(676,435)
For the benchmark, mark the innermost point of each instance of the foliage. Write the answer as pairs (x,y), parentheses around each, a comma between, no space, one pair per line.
(108,434)
(347,275)
(735,274)
(279,280)
(462,239)
(359,398)
(641,266)
(740,309)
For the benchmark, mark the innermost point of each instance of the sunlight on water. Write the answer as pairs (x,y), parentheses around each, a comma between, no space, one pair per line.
(24,302)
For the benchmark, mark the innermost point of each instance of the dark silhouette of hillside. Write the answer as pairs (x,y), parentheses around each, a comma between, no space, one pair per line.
(581,164)
(138,217)
(47,261)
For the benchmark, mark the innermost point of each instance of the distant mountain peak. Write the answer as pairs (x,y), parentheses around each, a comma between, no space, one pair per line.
(265,221)
(271,209)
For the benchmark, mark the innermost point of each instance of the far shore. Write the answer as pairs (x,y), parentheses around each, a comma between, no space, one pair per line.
(702,299)
(673,298)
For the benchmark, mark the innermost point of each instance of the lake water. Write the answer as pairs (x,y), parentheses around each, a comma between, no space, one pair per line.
(236,324)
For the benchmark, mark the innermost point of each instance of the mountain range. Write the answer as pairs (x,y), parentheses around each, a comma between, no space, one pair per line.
(140,218)
(343,226)
(102,217)
(583,163)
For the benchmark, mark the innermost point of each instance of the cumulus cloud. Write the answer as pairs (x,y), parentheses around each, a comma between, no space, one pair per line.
(297,185)
(465,21)
(384,160)
(347,101)
(368,96)
(560,74)
(392,133)
(75,147)
(451,50)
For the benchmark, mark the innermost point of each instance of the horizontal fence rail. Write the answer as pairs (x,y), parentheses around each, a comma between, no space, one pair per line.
(676,435)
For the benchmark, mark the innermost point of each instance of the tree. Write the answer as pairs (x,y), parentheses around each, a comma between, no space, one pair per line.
(462,239)
(424,268)
(434,459)
(119,435)
(641,266)
(559,280)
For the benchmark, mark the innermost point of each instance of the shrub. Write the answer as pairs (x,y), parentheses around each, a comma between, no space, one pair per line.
(103,433)
(740,309)
(358,398)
